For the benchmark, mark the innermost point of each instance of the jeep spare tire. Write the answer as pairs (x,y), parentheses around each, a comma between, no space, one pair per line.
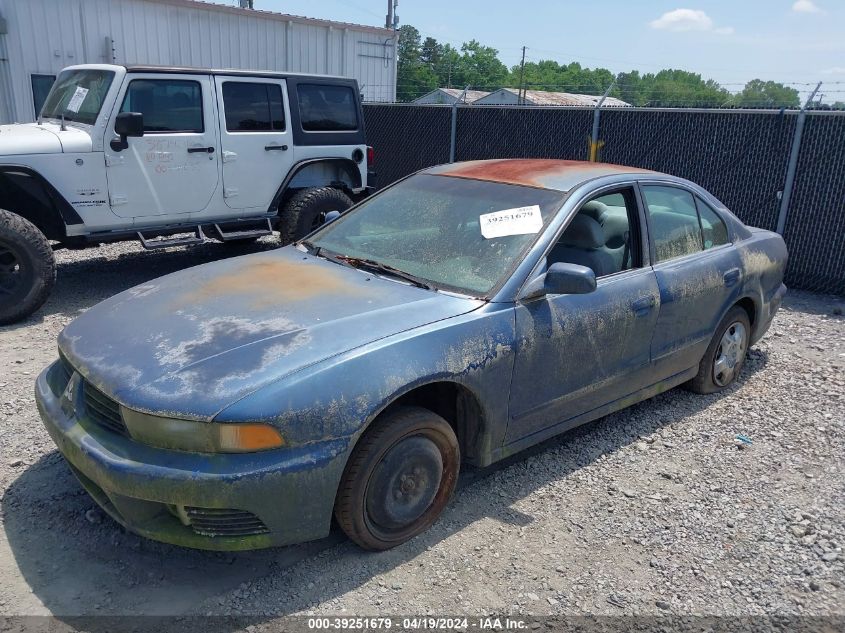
(306,210)
(27,268)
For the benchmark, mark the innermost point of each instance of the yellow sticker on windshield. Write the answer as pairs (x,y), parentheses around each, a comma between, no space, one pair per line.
(518,221)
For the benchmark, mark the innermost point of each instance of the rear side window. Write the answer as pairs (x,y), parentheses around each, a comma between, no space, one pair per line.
(253,107)
(675,230)
(168,105)
(712,226)
(325,108)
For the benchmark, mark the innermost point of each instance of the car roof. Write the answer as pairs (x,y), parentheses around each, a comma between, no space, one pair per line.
(561,175)
(150,68)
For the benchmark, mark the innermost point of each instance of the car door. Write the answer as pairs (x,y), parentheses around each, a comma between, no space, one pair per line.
(256,139)
(172,169)
(697,270)
(577,352)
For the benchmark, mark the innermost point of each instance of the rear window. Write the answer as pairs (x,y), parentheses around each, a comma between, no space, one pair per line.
(325,108)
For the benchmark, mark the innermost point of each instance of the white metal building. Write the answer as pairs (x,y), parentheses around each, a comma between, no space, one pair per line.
(510,96)
(450,96)
(40,37)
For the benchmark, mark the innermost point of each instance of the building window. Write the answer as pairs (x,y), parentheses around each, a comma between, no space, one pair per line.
(253,107)
(41,85)
(325,108)
(168,105)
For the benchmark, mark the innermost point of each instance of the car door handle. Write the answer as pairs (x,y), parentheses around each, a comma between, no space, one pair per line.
(731,276)
(643,305)
(198,150)
(275,148)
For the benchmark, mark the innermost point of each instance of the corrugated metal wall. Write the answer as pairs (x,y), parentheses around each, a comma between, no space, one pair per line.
(47,35)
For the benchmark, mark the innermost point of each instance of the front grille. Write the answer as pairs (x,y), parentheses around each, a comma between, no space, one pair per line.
(66,371)
(224,522)
(103,410)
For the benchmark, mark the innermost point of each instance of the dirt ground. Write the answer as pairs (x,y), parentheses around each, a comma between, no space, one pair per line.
(656,509)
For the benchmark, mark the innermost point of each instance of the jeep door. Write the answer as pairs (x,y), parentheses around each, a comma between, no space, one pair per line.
(255,138)
(172,169)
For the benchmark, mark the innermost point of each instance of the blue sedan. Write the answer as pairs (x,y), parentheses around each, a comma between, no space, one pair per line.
(462,314)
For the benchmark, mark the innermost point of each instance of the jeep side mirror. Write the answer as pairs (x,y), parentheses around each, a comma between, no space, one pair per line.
(561,279)
(127,124)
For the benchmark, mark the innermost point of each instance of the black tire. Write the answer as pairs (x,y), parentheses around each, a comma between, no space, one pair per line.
(389,492)
(306,210)
(27,268)
(709,378)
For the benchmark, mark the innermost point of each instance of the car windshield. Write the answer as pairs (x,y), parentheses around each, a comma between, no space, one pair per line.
(453,233)
(78,95)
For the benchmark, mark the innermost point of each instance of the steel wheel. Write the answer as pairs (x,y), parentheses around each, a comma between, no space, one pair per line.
(730,353)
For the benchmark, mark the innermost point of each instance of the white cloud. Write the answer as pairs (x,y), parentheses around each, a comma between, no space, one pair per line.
(836,70)
(689,20)
(805,6)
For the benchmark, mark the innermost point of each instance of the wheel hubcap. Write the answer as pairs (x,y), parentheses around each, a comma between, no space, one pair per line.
(405,483)
(10,271)
(730,354)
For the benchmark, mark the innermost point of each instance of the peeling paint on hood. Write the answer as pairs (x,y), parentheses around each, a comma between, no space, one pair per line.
(193,342)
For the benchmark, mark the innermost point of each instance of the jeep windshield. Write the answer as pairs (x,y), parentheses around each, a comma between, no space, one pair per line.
(446,232)
(78,95)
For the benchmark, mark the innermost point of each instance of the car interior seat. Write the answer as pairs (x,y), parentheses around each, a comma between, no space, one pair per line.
(583,242)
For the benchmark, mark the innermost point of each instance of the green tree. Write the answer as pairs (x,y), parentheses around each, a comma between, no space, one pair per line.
(767,94)
(479,67)
(414,78)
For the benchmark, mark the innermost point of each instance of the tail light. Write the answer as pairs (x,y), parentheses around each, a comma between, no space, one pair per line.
(371,155)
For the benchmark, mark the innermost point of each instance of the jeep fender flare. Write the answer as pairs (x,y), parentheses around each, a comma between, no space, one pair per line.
(27,193)
(347,164)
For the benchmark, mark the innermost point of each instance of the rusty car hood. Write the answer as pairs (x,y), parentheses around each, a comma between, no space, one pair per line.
(193,342)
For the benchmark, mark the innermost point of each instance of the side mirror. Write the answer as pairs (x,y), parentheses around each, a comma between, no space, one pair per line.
(331,216)
(127,124)
(561,279)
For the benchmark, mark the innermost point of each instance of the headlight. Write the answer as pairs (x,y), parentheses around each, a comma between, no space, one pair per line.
(200,437)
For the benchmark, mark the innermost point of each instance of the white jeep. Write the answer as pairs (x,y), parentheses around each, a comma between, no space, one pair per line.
(172,156)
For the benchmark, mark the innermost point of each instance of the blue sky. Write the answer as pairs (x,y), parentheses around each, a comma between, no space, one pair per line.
(732,41)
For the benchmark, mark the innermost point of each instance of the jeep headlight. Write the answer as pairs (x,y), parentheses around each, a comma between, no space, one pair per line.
(200,437)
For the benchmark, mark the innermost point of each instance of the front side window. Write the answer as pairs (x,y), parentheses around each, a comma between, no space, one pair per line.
(675,230)
(456,233)
(253,107)
(326,108)
(168,105)
(603,235)
(78,95)
(712,226)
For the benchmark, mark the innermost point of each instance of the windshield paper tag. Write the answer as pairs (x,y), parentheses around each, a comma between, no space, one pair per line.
(76,100)
(517,221)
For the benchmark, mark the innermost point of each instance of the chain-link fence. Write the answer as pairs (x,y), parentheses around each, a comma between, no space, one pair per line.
(739,155)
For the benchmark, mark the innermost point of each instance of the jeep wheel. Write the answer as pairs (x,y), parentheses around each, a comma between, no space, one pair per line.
(27,268)
(307,210)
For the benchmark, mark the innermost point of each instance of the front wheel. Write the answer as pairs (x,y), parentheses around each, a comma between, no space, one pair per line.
(307,209)
(725,355)
(399,479)
(27,268)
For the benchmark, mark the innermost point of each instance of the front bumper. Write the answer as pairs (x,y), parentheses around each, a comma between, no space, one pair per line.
(281,496)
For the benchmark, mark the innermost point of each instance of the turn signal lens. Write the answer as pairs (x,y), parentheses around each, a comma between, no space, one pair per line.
(245,438)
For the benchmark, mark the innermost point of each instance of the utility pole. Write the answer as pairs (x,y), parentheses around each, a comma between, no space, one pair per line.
(521,76)
(388,20)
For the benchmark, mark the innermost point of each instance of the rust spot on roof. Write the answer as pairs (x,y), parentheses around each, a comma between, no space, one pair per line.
(534,172)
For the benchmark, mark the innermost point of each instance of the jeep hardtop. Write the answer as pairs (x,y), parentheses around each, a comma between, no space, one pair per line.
(172,156)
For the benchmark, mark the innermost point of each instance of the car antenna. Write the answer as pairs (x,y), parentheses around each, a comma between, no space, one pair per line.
(63,128)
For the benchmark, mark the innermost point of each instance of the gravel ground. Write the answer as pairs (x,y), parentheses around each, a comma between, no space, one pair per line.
(657,509)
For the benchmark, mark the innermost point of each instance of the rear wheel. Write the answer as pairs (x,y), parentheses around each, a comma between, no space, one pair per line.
(307,210)
(399,479)
(725,355)
(27,268)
